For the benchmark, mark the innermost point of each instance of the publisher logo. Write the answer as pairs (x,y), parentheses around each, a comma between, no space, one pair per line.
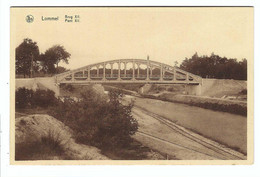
(29,18)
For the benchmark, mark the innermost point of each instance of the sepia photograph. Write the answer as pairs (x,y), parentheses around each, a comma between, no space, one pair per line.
(131,85)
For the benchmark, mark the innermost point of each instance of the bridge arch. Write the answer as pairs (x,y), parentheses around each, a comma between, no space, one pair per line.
(128,71)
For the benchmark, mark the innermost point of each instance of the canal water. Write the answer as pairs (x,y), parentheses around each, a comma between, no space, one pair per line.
(226,128)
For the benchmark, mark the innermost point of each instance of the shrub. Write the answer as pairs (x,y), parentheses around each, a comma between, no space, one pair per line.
(98,121)
(44,98)
(45,148)
(27,98)
(68,87)
(53,141)
(23,97)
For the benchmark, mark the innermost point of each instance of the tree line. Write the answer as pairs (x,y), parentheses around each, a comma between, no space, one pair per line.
(214,66)
(29,61)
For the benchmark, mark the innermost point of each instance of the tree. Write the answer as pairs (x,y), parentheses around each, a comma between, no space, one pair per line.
(52,57)
(26,57)
(215,66)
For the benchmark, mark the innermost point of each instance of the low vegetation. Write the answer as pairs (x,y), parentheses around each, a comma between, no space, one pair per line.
(95,120)
(46,148)
(27,98)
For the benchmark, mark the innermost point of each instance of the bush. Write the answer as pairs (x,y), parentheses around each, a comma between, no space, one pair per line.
(44,98)
(27,98)
(23,98)
(68,87)
(45,148)
(97,121)
(53,141)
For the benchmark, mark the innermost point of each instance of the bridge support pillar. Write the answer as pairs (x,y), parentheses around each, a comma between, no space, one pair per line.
(119,70)
(111,64)
(72,77)
(97,71)
(57,90)
(145,89)
(133,71)
(147,70)
(193,89)
(125,69)
(104,71)
(88,73)
(138,70)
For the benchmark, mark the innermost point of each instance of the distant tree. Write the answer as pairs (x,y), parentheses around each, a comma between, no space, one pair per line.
(26,56)
(52,57)
(243,69)
(215,66)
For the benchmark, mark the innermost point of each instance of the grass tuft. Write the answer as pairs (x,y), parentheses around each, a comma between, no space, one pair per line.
(48,147)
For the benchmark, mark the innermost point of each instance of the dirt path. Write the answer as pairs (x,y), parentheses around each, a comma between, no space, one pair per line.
(169,138)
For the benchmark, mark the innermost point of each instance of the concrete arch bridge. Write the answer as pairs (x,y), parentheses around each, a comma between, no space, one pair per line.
(130,71)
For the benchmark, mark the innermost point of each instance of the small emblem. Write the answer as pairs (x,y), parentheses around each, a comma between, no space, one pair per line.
(29,18)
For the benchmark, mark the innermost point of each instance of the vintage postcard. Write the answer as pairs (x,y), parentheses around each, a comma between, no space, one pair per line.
(131,85)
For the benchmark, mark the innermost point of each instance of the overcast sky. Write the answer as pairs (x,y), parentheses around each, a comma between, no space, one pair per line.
(165,34)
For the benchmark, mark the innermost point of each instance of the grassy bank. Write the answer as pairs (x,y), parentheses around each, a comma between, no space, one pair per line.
(230,108)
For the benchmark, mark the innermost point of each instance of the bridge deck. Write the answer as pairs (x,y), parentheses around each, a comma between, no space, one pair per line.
(129,81)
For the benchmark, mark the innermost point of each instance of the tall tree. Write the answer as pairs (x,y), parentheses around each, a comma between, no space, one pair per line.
(26,57)
(215,66)
(53,56)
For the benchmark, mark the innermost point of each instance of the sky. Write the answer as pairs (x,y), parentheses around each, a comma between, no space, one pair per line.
(165,34)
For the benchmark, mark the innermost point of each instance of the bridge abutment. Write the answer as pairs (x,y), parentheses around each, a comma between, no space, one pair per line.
(57,90)
(193,89)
